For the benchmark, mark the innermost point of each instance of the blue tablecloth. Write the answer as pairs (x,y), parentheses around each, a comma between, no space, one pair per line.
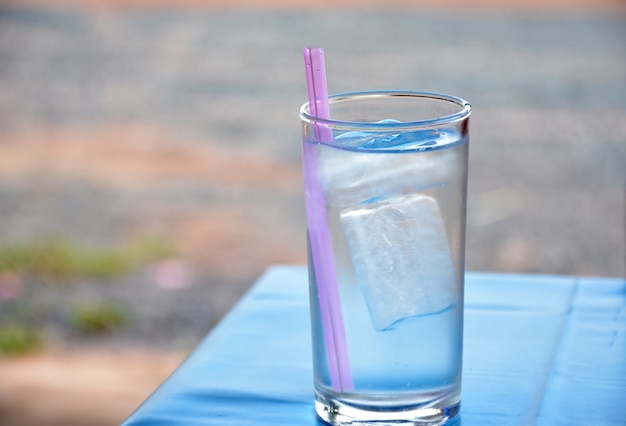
(539,350)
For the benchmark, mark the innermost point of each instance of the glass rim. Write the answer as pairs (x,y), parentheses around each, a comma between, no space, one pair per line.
(465,109)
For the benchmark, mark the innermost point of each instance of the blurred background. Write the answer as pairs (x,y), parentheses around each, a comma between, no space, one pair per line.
(150,164)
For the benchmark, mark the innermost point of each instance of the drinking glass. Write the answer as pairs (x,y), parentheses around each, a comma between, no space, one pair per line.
(385,189)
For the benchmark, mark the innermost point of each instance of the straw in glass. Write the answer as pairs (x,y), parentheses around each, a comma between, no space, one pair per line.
(319,240)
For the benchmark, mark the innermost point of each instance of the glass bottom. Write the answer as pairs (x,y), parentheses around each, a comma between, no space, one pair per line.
(339,413)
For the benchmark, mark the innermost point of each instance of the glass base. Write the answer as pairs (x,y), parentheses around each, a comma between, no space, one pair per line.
(338,413)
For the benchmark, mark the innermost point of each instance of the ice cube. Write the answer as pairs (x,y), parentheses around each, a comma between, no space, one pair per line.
(401,258)
(391,141)
(349,178)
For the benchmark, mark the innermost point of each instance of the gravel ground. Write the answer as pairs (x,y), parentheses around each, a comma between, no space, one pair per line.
(117,123)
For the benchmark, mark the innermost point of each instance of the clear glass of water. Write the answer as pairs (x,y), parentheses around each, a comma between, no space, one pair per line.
(385,189)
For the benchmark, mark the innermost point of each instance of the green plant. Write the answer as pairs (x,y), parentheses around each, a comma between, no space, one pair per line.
(99,318)
(13,257)
(64,260)
(16,339)
(148,249)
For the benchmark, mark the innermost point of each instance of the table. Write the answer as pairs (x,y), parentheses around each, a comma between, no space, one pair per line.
(539,350)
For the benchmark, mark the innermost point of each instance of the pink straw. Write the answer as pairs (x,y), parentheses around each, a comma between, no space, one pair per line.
(321,249)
